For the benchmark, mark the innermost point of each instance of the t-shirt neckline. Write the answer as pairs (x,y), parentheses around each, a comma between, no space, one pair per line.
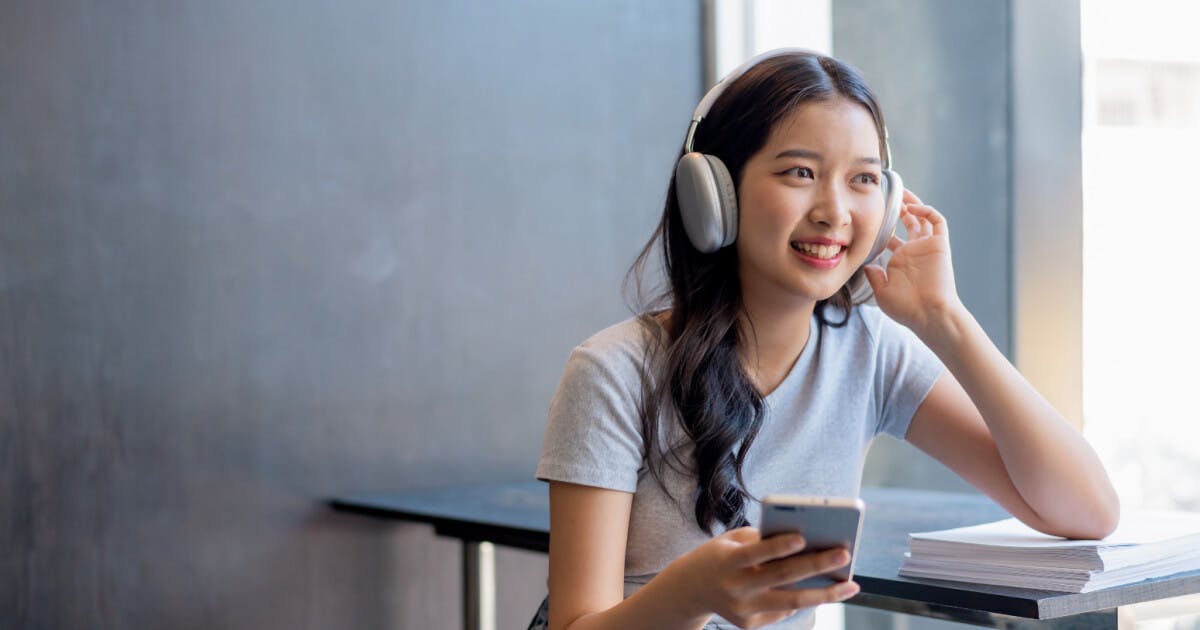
(798,366)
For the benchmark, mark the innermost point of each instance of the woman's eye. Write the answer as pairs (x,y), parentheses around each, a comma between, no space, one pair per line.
(866,178)
(799,171)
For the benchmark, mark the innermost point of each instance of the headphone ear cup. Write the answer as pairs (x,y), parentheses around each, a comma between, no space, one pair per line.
(707,201)
(893,198)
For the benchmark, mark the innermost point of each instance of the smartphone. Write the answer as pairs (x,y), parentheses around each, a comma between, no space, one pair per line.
(825,522)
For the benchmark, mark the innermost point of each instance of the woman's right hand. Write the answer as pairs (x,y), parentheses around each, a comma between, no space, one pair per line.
(736,576)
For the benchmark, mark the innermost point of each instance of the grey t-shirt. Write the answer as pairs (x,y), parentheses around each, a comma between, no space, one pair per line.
(848,385)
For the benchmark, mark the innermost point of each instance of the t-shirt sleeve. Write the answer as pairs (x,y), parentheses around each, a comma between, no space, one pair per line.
(905,371)
(593,432)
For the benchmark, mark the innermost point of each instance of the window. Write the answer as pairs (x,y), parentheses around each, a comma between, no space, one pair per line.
(744,28)
(1141,155)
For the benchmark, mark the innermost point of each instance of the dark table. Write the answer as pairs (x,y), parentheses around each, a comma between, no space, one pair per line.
(518,515)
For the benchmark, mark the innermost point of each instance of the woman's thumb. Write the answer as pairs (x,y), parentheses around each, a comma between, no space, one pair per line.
(744,534)
(876,276)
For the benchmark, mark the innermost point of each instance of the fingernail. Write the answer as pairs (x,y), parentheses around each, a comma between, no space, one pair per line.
(846,591)
(797,542)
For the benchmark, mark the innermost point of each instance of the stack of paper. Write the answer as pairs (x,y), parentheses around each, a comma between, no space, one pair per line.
(1009,553)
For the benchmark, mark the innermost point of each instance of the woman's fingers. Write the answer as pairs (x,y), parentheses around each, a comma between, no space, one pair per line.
(777,599)
(876,275)
(931,217)
(769,549)
(762,601)
(789,570)
(912,224)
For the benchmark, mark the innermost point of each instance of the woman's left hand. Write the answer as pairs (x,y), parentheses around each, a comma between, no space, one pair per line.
(918,283)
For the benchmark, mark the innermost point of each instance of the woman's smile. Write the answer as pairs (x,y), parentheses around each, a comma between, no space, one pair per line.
(818,254)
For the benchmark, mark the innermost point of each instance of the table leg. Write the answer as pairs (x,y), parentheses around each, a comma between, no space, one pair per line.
(479,585)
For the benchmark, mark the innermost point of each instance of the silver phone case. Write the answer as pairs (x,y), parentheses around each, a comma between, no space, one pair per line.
(825,522)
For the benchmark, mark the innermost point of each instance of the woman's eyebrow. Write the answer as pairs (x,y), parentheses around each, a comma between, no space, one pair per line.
(813,155)
(800,153)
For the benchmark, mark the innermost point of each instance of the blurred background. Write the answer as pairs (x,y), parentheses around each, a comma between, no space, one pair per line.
(257,254)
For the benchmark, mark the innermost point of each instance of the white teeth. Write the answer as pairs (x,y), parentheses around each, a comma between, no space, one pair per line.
(819,251)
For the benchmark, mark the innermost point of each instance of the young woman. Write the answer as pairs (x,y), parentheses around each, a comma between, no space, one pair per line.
(755,373)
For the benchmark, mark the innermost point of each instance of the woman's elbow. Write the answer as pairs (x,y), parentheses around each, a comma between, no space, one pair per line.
(1111,516)
(1090,518)
(1099,522)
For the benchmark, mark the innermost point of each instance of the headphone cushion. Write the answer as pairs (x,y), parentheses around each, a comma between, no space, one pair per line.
(728,196)
(893,195)
(707,201)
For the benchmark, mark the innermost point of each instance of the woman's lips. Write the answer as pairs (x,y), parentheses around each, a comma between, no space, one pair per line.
(819,263)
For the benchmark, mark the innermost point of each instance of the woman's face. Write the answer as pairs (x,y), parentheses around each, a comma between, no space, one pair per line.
(810,203)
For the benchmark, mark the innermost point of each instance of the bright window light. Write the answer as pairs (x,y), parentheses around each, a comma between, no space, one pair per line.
(1141,158)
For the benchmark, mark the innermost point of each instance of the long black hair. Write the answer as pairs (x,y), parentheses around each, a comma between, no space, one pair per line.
(693,320)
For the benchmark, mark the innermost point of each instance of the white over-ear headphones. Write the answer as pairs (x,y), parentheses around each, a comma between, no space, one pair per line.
(708,198)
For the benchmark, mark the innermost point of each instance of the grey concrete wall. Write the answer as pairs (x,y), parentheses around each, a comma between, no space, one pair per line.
(941,70)
(256,254)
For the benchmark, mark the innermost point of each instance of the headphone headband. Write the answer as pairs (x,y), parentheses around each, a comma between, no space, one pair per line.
(715,92)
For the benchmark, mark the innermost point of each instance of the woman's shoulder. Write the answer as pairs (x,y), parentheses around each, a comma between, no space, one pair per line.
(621,352)
(622,345)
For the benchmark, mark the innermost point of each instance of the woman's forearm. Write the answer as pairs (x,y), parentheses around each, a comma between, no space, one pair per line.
(1053,468)
(660,604)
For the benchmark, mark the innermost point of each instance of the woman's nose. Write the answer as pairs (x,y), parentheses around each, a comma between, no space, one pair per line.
(831,209)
